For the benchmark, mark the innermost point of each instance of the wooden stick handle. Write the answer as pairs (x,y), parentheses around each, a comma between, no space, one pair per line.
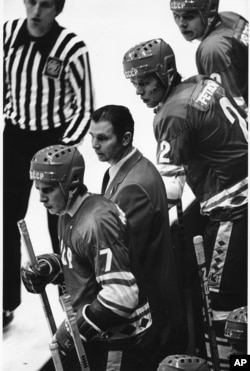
(54,349)
(33,260)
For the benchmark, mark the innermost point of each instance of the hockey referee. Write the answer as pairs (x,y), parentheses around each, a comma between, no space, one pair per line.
(48,100)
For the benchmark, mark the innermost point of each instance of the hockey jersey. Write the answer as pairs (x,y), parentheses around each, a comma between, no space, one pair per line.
(201,128)
(223,55)
(99,269)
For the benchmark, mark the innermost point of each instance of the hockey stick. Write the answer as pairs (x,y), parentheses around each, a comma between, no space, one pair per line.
(56,355)
(191,343)
(44,298)
(180,217)
(33,260)
(71,317)
(207,310)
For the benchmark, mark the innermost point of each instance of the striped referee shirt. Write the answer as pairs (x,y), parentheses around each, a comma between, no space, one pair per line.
(47,81)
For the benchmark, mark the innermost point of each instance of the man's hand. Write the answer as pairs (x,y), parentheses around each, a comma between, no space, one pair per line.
(88,331)
(48,270)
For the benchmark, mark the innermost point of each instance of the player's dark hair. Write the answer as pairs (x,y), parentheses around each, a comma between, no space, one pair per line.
(119,117)
(59,4)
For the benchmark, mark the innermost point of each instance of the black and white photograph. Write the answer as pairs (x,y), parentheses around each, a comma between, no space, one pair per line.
(124,195)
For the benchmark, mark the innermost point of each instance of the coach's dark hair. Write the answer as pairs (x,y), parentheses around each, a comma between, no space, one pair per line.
(59,4)
(119,117)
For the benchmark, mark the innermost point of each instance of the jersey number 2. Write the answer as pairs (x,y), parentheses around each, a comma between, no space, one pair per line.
(165,148)
(230,112)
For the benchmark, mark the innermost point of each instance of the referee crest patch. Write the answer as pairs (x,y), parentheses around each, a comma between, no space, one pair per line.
(53,67)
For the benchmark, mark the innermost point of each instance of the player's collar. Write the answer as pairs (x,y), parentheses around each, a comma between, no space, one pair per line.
(74,206)
(173,81)
(215,22)
(166,95)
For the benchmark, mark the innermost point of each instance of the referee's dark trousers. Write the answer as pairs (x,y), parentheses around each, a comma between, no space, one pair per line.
(19,146)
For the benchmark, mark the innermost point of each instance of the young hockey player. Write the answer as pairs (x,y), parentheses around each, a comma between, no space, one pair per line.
(201,133)
(96,264)
(223,49)
(236,331)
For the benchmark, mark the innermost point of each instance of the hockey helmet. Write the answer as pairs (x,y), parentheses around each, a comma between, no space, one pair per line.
(58,163)
(236,324)
(183,362)
(206,8)
(148,57)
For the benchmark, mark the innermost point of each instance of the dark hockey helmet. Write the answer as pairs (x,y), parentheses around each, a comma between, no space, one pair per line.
(236,324)
(58,163)
(206,8)
(183,362)
(153,56)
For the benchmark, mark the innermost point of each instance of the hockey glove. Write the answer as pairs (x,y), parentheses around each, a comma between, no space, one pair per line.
(48,270)
(88,332)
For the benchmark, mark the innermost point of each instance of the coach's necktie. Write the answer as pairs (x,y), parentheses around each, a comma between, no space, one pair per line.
(105,181)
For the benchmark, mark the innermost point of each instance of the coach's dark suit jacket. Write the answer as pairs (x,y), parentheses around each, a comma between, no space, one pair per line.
(139,191)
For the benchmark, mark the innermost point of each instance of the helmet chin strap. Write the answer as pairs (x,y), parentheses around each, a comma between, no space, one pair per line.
(70,196)
(169,87)
(209,23)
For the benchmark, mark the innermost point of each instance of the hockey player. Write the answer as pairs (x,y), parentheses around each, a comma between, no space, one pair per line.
(236,331)
(223,50)
(199,127)
(183,362)
(96,265)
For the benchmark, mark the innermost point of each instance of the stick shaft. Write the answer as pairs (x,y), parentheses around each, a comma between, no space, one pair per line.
(33,260)
(66,302)
(180,218)
(207,310)
(54,349)
(191,341)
